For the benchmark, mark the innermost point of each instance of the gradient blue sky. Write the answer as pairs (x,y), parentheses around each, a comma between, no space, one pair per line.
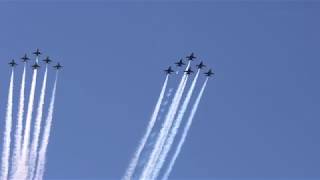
(259,117)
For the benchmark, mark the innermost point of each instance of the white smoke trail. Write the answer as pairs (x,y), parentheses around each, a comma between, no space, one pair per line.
(165,128)
(37,127)
(7,132)
(19,125)
(133,164)
(174,130)
(22,169)
(185,132)
(46,135)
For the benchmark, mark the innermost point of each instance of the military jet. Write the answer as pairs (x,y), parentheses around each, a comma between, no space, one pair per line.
(58,66)
(169,70)
(191,57)
(47,60)
(12,63)
(209,73)
(37,52)
(201,65)
(189,71)
(25,58)
(180,63)
(35,66)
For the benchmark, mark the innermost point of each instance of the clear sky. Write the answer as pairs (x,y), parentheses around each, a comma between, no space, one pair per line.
(259,117)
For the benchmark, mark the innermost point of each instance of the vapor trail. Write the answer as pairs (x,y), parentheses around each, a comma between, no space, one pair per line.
(37,127)
(19,125)
(185,132)
(133,164)
(7,132)
(165,128)
(22,169)
(46,135)
(174,129)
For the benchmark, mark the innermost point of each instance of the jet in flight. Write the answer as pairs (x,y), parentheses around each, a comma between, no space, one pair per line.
(169,70)
(37,52)
(191,57)
(12,63)
(35,66)
(189,71)
(201,65)
(180,63)
(58,66)
(25,58)
(209,73)
(47,60)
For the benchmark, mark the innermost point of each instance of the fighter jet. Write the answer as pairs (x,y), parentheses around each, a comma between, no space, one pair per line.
(35,66)
(191,57)
(12,63)
(179,63)
(37,52)
(47,60)
(209,73)
(189,71)
(58,66)
(169,70)
(201,65)
(25,58)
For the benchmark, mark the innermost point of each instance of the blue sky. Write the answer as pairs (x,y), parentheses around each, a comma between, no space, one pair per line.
(259,117)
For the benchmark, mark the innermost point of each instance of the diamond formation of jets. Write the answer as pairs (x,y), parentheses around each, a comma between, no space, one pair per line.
(189,71)
(36,65)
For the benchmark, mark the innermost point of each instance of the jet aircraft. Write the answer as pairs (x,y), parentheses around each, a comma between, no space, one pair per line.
(180,63)
(12,63)
(209,73)
(37,52)
(189,71)
(25,58)
(169,70)
(47,60)
(58,66)
(201,65)
(35,66)
(191,57)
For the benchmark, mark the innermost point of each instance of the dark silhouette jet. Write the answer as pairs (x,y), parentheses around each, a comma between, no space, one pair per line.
(189,71)
(191,57)
(169,70)
(209,73)
(47,60)
(35,66)
(58,66)
(180,63)
(37,52)
(25,58)
(201,65)
(12,63)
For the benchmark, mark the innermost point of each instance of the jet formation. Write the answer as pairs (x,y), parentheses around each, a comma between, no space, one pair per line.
(36,65)
(189,71)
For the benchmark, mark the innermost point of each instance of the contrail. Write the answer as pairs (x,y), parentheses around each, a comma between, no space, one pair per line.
(185,132)
(19,125)
(133,164)
(165,128)
(174,130)
(7,132)
(37,127)
(46,135)
(22,169)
